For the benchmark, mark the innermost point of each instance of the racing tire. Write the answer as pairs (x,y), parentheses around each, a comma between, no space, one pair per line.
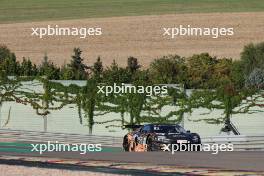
(126,144)
(132,146)
(150,146)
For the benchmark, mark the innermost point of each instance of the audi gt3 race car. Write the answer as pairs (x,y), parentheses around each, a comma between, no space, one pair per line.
(152,137)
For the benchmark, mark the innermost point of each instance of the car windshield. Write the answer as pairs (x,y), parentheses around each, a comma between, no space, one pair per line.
(168,129)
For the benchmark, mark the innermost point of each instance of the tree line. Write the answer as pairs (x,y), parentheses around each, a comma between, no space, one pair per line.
(234,86)
(197,71)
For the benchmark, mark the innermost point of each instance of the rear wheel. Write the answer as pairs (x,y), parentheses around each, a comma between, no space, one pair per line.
(125,144)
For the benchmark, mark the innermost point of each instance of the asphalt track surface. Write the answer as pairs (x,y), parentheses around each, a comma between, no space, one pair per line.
(242,160)
(252,161)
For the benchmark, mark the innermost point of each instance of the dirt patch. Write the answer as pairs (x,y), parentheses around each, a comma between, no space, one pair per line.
(136,36)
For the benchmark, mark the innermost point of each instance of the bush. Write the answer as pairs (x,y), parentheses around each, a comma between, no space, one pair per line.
(256,78)
(252,57)
(168,70)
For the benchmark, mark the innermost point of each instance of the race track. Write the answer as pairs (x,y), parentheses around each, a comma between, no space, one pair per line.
(243,160)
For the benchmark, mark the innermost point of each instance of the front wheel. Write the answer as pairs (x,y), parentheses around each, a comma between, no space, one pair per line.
(150,146)
(132,146)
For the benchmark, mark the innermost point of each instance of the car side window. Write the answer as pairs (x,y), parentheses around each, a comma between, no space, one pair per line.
(146,129)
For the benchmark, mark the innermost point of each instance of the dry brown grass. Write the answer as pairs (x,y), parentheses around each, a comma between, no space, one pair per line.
(136,36)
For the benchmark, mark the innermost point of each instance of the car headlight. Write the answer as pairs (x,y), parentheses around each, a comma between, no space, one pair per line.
(162,138)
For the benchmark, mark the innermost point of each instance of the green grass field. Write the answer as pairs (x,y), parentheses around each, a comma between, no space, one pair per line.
(40,10)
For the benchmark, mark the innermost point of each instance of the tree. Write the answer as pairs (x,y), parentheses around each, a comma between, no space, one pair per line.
(8,61)
(53,97)
(48,69)
(27,68)
(200,70)
(132,64)
(237,74)
(116,74)
(168,70)
(78,68)
(92,102)
(66,73)
(252,57)
(6,53)
(98,69)
(222,89)
(227,98)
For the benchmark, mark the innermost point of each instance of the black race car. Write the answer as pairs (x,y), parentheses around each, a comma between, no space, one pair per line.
(152,137)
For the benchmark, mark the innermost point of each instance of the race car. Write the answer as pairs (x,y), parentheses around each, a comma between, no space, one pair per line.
(152,137)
